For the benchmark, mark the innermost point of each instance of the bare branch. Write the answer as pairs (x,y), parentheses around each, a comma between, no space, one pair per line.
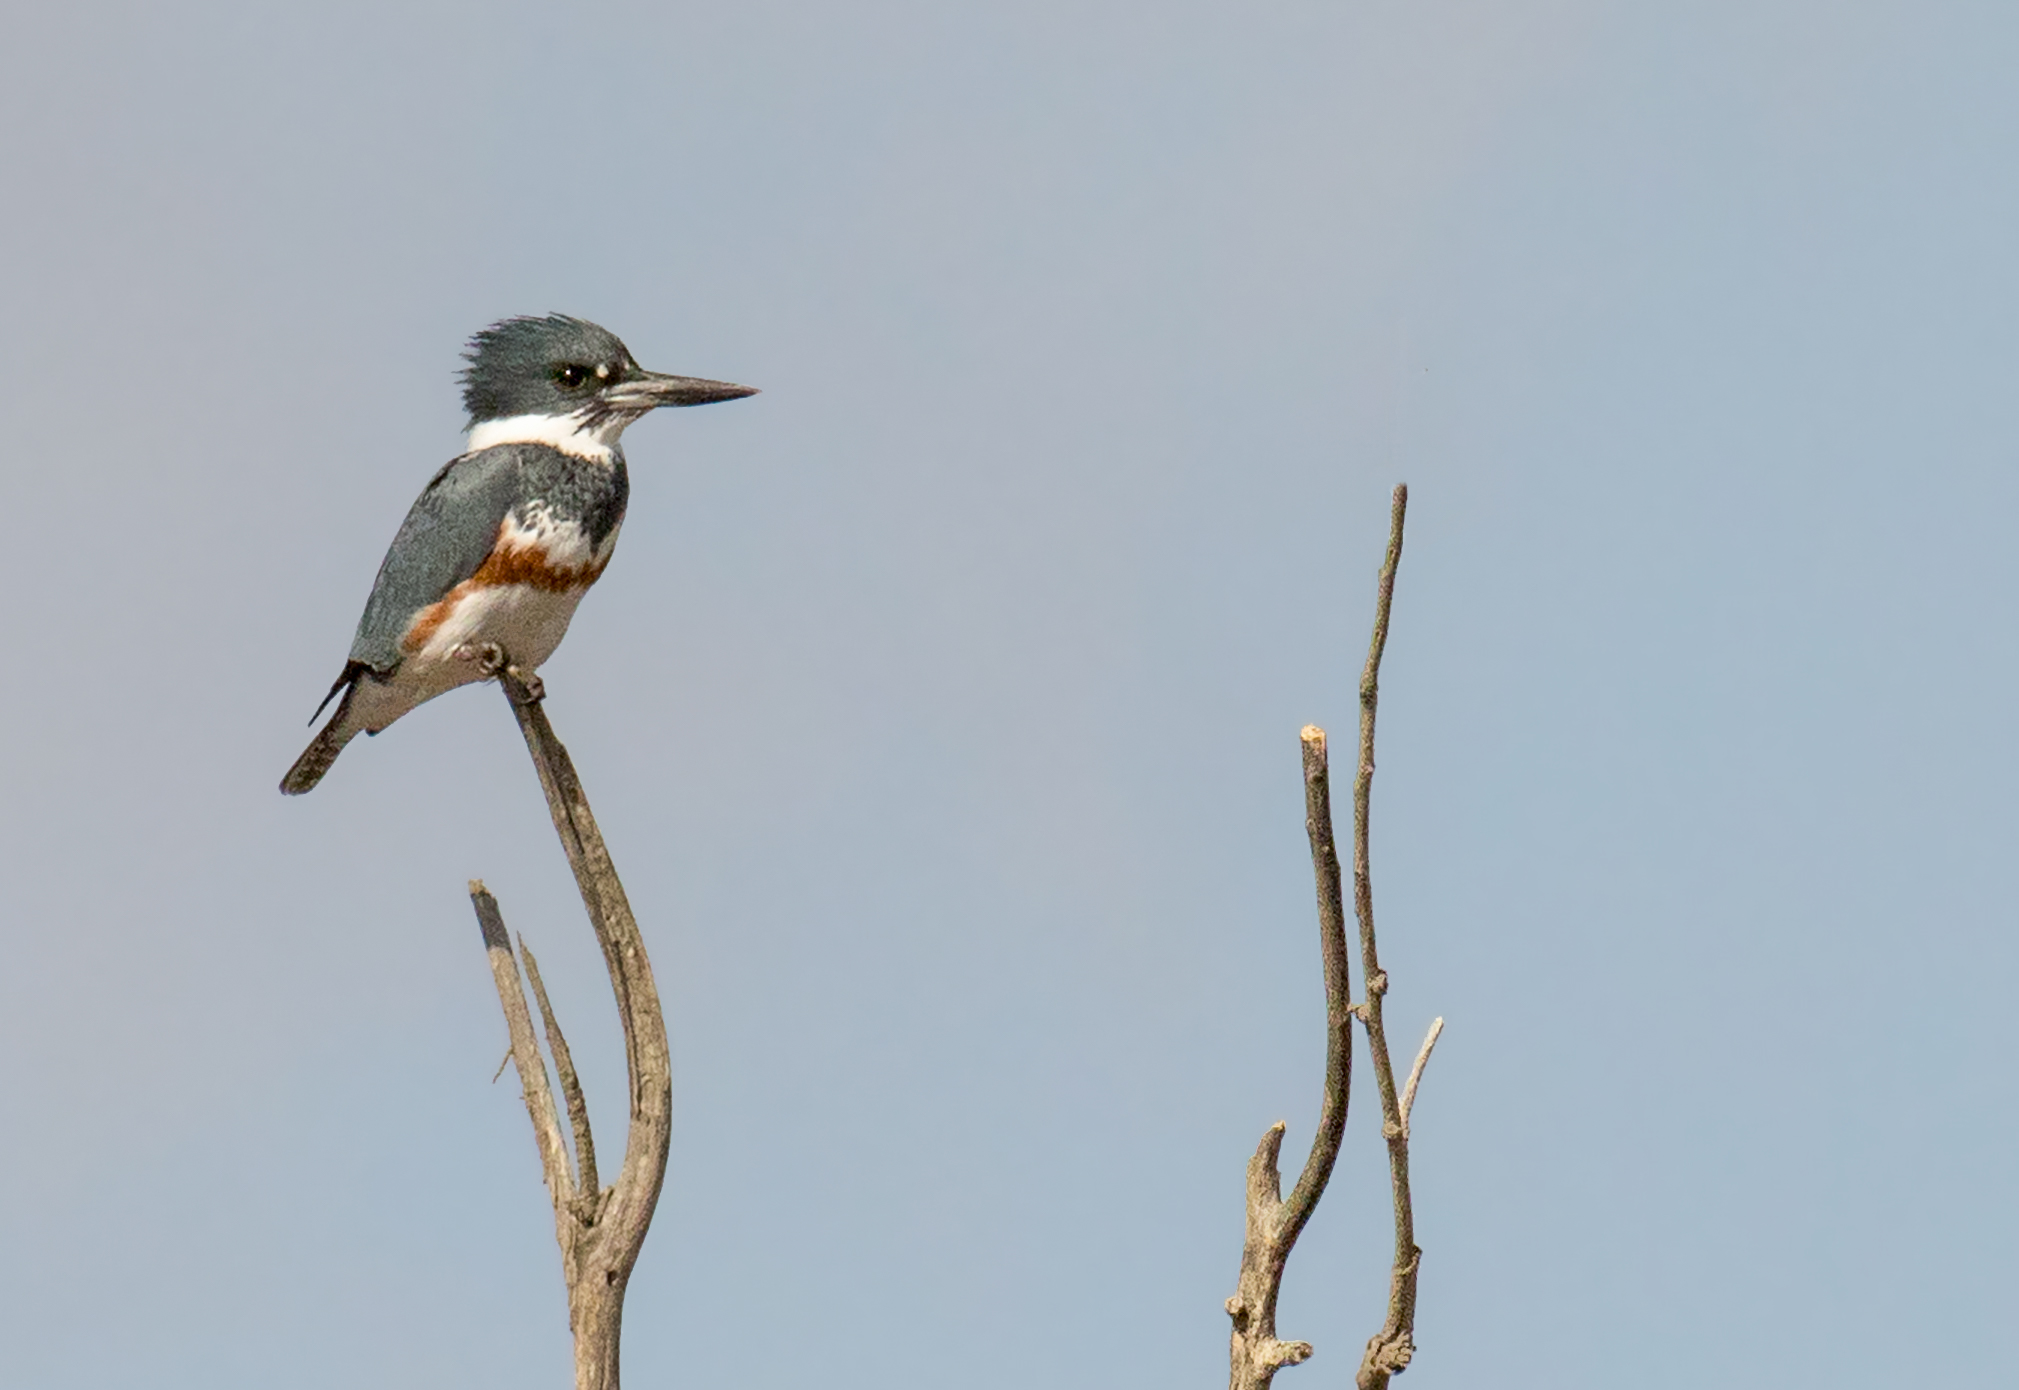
(1408,1091)
(525,1054)
(600,1232)
(1389,1350)
(645,1053)
(1254,1352)
(1310,1186)
(571,1084)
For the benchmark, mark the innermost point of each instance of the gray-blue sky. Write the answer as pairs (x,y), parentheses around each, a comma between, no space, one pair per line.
(941,705)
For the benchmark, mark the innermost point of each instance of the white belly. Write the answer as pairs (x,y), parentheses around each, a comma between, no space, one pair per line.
(525,621)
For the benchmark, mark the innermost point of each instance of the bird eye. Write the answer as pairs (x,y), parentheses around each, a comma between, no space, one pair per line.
(572,375)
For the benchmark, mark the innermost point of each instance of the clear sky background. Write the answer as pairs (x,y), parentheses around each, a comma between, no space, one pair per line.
(941,706)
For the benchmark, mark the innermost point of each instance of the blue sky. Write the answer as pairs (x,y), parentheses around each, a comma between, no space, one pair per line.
(941,705)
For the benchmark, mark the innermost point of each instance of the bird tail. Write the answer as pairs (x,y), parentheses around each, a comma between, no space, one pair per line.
(324,747)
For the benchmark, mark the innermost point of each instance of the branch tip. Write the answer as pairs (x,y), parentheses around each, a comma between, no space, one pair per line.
(1416,1072)
(1265,1174)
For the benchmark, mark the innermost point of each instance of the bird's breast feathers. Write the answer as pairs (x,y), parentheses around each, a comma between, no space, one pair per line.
(536,547)
(521,596)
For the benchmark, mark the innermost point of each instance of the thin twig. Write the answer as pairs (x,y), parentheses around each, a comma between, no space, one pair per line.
(1408,1091)
(1254,1352)
(571,1084)
(1389,1350)
(525,1054)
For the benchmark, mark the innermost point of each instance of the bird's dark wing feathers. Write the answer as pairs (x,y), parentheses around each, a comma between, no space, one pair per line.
(446,536)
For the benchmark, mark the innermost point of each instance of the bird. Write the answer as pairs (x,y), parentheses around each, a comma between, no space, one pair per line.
(502,543)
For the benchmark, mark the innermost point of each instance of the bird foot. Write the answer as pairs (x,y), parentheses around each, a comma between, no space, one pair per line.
(492,661)
(489,656)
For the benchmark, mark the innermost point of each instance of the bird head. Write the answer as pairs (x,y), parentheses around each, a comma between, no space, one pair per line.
(558,379)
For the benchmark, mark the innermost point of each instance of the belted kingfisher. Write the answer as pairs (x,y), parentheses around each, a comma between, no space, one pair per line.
(505,540)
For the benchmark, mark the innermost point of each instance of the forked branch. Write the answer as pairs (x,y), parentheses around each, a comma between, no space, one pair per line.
(600,1230)
(1274,1223)
(525,1056)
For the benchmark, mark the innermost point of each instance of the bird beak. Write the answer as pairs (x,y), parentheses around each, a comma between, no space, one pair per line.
(650,390)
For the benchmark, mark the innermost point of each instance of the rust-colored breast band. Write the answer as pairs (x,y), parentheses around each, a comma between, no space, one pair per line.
(505,565)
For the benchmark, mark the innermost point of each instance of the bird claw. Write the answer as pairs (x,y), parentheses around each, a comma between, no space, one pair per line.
(489,656)
(491,660)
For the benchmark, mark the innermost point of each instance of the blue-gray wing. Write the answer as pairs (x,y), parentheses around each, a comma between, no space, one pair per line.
(448,533)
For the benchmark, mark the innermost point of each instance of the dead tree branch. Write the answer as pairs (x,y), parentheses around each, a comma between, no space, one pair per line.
(571,1084)
(1415,1072)
(525,1053)
(1389,1350)
(600,1230)
(1255,1354)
